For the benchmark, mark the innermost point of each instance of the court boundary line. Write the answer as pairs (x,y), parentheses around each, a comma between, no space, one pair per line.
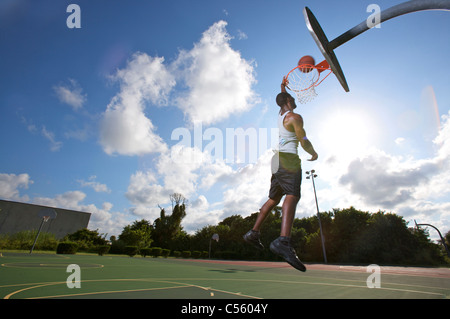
(185,284)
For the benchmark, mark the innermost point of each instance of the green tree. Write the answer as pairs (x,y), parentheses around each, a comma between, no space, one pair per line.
(387,239)
(86,239)
(347,227)
(138,234)
(167,228)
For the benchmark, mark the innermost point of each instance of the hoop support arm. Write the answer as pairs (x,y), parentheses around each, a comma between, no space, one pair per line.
(395,11)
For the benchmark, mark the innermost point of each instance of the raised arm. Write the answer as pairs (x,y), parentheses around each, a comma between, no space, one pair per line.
(283,84)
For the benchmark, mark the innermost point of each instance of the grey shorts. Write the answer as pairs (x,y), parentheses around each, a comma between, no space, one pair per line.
(286,176)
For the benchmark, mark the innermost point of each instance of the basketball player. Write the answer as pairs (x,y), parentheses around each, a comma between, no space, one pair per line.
(286,179)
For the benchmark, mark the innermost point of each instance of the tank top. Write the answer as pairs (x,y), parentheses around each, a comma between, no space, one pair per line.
(288,141)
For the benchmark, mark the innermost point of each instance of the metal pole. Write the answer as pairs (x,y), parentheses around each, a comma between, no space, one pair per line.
(395,11)
(37,235)
(209,254)
(318,215)
(440,235)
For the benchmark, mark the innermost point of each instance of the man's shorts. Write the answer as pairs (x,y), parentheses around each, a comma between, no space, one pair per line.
(286,176)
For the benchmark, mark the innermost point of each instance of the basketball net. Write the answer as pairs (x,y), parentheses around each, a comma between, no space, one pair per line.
(46,218)
(303,79)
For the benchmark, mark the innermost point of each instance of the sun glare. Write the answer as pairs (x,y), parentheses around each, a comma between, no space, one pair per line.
(346,133)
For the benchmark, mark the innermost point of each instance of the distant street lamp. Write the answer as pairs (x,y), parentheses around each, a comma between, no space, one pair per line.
(312,176)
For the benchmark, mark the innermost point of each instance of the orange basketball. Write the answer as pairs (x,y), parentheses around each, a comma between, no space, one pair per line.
(307,59)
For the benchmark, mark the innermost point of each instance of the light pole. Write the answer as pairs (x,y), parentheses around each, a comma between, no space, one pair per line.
(312,176)
(216,238)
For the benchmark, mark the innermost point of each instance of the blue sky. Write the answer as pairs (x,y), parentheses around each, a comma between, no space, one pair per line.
(91,116)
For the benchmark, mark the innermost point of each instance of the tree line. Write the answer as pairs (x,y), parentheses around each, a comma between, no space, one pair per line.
(351,236)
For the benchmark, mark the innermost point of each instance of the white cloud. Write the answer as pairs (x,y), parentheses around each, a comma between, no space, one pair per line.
(247,188)
(387,181)
(218,80)
(96,186)
(399,140)
(50,136)
(173,174)
(10,184)
(71,94)
(199,214)
(242,35)
(103,219)
(68,200)
(125,128)
(145,192)
(214,83)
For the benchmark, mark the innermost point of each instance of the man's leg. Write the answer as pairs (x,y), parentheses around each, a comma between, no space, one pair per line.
(282,245)
(253,236)
(264,211)
(288,210)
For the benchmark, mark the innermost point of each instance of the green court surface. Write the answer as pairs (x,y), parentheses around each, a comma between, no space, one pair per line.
(45,276)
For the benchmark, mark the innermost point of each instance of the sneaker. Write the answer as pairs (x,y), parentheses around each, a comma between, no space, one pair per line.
(281,247)
(252,237)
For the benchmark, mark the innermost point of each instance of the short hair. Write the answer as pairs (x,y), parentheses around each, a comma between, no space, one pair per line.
(282,98)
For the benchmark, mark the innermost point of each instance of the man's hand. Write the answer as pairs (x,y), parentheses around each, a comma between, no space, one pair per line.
(284,83)
(314,157)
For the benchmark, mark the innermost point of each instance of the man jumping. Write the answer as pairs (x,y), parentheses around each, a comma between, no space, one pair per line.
(286,179)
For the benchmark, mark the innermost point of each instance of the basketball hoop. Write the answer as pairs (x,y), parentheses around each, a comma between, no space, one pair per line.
(45,219)
(304,78)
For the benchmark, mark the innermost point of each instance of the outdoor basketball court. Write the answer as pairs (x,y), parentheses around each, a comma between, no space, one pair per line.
(45,276)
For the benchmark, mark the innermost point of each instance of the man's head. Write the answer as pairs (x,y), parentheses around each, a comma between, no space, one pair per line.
(285,99)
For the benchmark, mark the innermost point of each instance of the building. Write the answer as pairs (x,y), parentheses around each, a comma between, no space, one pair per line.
(16,217)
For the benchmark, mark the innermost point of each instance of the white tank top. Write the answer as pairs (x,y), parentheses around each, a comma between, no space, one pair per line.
(288,142)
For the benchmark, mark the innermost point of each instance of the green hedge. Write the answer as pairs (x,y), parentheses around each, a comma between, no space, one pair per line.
(156,251)
(131,250)
(165,253)
(67,248)
(145,252)
(186,254)
(102,250)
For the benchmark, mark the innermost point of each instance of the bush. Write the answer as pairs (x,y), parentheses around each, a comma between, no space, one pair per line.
(186,254)
(156,251)
(165,253)
(131,250)
(196,254)
(87,240)
(24,240)
(67,248)
(117,247)
(205,254)
(104,249)
(177,253)
(146,252)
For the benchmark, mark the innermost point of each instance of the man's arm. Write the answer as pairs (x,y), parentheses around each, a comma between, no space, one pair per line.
(296,122)
(283,84)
